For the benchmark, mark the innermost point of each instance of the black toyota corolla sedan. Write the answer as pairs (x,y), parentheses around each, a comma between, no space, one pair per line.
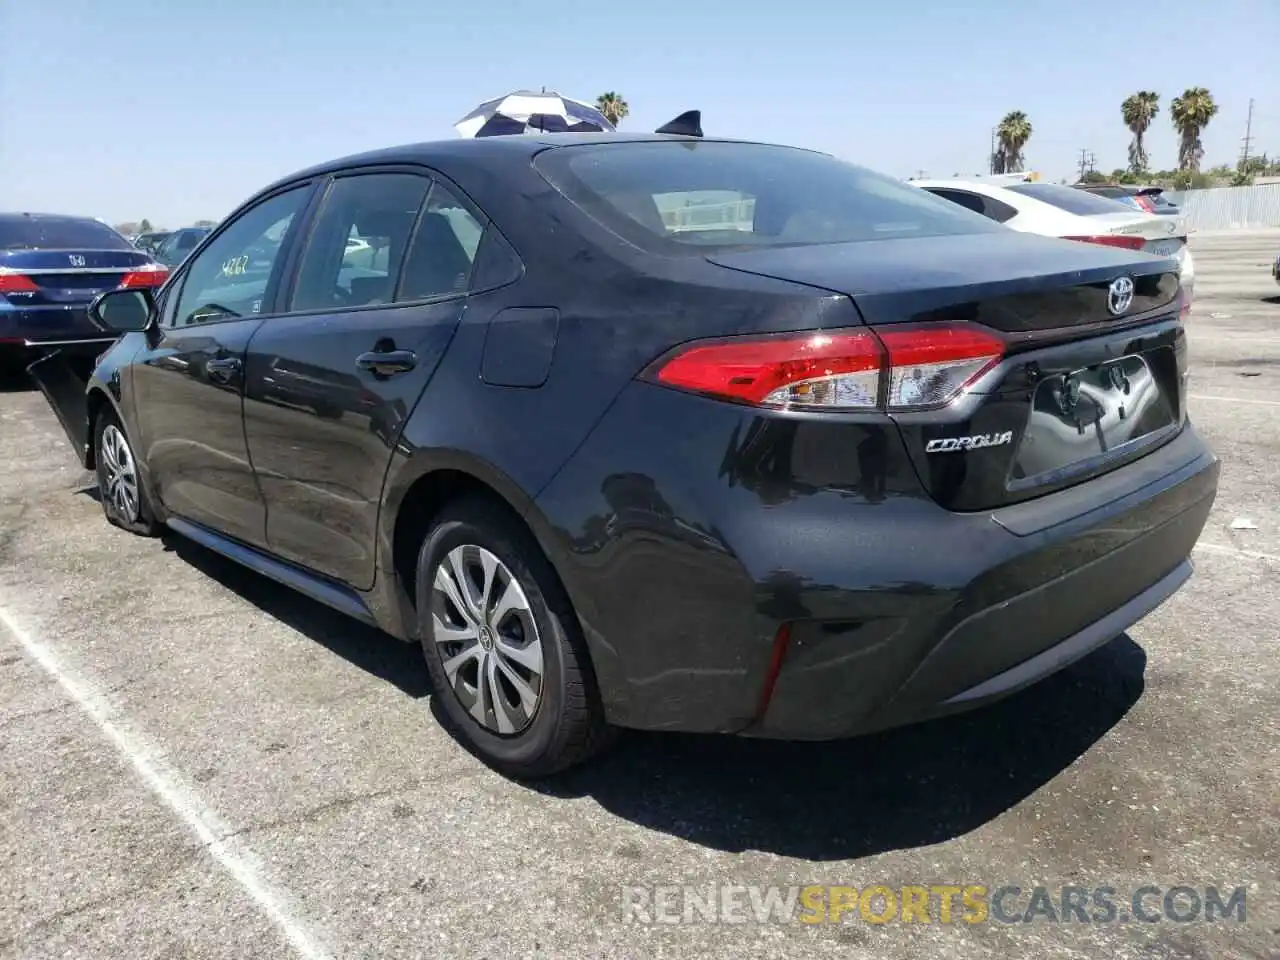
(660,432)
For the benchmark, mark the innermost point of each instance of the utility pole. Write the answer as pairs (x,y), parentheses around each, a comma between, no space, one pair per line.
(1087,161)
(991,157)
(1248,139)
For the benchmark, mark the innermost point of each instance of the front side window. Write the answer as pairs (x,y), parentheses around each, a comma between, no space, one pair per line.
(679,197)
(353,256)
(228,278)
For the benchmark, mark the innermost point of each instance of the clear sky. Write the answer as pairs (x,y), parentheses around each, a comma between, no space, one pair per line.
(178,110)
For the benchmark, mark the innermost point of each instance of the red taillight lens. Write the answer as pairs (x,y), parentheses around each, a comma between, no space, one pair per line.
(16,283)
(931,366)
(1146,204)
(836,368)
(152,275)
(1125,240)
(914,367)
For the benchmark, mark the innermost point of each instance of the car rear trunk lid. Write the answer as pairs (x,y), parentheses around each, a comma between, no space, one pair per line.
(64,277)
(1083,388)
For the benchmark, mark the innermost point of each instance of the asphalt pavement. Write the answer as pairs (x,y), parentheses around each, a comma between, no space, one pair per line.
(195,762)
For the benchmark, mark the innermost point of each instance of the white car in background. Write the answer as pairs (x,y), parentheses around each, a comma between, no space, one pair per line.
(1053,210)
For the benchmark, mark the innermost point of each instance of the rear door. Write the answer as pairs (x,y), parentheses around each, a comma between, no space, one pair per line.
(187,384)
(377,293)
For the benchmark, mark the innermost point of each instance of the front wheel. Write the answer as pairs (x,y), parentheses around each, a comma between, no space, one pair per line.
(120,488)
(506,656)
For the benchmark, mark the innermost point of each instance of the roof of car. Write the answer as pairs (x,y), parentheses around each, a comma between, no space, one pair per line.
(439,151)
(961,184)
(10,217)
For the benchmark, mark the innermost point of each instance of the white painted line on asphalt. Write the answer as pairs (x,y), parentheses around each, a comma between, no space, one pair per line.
(227,851)
(1236,552)
(1265,403)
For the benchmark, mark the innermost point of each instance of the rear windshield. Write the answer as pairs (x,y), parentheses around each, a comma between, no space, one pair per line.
(680,196)
(57,233)
(1070,199)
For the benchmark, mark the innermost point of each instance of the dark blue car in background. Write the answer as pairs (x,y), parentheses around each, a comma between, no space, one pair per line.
(51,268)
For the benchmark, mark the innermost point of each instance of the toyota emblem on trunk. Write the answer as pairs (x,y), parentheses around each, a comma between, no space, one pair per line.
(1120,295)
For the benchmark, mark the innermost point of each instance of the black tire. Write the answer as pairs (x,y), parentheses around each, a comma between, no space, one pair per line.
(567,726)
(142,520)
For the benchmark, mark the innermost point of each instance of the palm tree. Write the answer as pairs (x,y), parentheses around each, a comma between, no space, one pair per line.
(613,107)
(1138,110)
(1191,113)
(1013,133)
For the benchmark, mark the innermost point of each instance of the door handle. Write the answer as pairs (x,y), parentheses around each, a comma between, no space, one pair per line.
(224,370)
(387,363)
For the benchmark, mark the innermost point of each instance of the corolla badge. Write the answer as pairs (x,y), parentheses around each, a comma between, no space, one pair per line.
(975,442)
(1120,295)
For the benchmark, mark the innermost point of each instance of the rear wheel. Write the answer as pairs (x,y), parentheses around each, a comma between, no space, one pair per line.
(506,656)
(120,488)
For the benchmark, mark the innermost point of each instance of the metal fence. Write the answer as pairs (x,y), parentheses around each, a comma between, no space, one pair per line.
(1226,208)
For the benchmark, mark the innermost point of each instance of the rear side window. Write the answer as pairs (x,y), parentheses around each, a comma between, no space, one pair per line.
(1069,199)
(443,251)
(989,207)
(59,233)
(353,256)
(684,196)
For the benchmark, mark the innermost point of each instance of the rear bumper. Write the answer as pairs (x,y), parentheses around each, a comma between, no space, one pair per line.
(686,558)
(33,326)
(1059,588)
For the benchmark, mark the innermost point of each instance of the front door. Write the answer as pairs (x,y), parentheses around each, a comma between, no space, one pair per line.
(189,382)
(380,289)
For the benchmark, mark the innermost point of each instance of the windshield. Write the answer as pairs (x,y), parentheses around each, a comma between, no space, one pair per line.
(1070,199)
(58,233)
(679,196)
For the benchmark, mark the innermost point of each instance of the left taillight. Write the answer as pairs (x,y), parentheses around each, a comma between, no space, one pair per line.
(1126,241)
(885,368)
(149,275)
(11,282)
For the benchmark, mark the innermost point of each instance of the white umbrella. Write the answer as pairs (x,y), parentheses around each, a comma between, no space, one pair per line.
(526,111)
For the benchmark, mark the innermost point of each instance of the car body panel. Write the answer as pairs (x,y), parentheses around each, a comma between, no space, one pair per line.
(320,431)
(190,428)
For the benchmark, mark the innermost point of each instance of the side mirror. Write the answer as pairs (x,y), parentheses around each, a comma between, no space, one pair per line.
(124,311)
